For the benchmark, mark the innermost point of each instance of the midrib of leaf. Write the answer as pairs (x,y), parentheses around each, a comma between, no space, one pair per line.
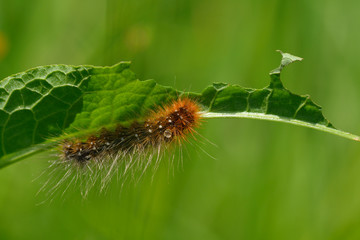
(274,118)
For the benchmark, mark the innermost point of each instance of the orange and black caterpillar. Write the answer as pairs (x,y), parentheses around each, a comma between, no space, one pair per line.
(167,124)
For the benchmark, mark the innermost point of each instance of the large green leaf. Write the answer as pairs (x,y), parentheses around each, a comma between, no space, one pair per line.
(44,102)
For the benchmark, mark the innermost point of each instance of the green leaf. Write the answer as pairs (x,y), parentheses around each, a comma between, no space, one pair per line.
(45,102)
(274,103)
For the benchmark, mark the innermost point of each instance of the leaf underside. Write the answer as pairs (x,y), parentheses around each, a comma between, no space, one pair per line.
(45,102)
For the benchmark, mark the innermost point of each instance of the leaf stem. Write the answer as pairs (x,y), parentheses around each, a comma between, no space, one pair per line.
(23,154)
(275,118)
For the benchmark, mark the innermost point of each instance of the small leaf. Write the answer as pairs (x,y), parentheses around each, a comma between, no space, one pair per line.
(44,102)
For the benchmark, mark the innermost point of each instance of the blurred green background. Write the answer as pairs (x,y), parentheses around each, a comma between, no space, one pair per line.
(269,180)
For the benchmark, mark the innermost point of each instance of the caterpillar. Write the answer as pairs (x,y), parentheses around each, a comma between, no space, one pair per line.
(125,149)
(171,123)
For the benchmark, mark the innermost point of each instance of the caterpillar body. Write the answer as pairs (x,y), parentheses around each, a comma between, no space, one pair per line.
(164,126)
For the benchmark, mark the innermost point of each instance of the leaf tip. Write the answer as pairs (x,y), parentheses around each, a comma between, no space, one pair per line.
(287,58)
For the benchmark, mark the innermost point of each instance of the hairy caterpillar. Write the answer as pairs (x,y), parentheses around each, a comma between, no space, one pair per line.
(127,150)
